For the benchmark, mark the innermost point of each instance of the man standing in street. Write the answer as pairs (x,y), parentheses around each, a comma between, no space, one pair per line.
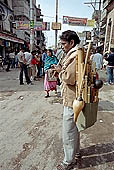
(110,67)
(98,59)
(67,74)
(23,67)
(28,58)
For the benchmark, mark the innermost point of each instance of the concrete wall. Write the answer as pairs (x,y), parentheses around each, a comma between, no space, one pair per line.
(21,7)
(109,36)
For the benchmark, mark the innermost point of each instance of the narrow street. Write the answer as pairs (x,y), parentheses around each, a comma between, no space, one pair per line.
(31,128)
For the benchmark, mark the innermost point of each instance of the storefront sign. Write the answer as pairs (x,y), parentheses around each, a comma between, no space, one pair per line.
(22,25)
(42,26)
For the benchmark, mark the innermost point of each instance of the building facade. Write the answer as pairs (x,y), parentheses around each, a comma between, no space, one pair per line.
(8,37)
(12,12)
(107,24)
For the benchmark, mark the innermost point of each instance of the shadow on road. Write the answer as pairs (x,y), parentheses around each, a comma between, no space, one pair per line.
(96,155)
(106,106)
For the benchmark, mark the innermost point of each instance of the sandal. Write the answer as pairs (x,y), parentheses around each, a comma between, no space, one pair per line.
(64,166)
(47,96)
(78,156)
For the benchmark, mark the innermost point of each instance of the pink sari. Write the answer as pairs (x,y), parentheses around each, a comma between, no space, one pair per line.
(49,85)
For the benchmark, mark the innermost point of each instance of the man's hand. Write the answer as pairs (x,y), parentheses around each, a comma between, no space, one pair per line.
(57,68)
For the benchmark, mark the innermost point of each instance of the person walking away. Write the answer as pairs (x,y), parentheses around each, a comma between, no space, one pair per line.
(44,55)
(8,61)
(1,63)
(33,65)
(28,57)
(104,59)
(16,59)
(98,59)
(110,67)
(67,74)
(23,67)
(50,60)
(38,64)
(12,58)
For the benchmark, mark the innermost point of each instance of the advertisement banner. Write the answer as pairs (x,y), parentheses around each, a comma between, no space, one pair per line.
(42,26)
(74,21)
(38,26)
(22,25)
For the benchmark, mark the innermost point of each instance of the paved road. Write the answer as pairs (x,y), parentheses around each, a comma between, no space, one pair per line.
(30,128)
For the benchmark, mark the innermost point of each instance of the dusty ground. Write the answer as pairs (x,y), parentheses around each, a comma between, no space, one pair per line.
(31,128)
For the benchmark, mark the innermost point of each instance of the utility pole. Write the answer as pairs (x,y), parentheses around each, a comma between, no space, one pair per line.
(56,31)
(31,26)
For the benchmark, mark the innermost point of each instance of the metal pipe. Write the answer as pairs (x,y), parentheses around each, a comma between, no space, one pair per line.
(31,25)
(56,31)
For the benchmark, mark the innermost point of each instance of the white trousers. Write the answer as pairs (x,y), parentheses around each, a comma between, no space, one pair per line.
(71,136)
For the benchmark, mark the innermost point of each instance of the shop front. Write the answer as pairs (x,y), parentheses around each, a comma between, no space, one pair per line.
(8,43)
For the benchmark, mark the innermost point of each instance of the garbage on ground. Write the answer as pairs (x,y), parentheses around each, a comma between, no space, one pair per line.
(101,121)
(21,97)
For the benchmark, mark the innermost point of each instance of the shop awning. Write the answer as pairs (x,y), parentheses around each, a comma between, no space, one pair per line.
(7,37)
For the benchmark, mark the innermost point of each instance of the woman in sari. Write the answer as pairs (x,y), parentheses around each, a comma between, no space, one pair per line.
(50,60)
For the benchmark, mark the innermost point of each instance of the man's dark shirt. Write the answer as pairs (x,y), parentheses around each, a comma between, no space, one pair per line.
(110,59)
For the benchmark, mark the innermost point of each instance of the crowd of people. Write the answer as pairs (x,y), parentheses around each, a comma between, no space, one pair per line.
(105,62)
(62,68)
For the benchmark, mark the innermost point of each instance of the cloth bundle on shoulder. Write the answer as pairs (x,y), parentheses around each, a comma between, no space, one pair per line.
(50,75)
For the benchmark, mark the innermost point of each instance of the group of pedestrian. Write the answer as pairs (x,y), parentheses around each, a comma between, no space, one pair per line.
(66,68)
(105,62)
(30,64)
(11,60)
(62,67)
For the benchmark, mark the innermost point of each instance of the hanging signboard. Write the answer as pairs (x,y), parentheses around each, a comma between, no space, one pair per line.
(90,23)
(38,26)
(56,26)
(42,26)
(22,25)
(74,21)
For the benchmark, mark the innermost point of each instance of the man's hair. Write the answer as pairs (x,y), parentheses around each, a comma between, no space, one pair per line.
(38,52)
(33,52)
(70,35)
(22,48)
(98,50)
